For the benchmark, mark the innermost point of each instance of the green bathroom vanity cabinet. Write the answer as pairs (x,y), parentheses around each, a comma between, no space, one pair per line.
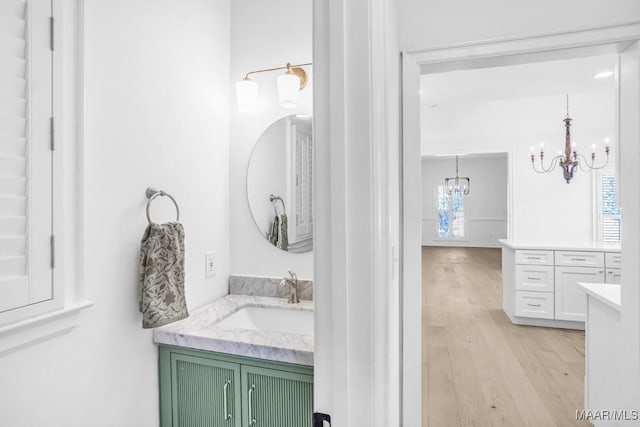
(206,389)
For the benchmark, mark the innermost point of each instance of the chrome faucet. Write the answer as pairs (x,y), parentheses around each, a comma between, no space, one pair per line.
(292,282)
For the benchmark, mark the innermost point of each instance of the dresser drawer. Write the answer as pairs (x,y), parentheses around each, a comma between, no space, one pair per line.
(534,304)
(613,276)
(538,278)
(534,257)
(580,259)
(612,260)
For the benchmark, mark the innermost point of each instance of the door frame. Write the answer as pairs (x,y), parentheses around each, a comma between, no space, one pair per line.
(508,51)
(356,190)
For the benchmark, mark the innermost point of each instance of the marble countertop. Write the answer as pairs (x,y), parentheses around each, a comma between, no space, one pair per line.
(562,245)
(199,331)
(608,293)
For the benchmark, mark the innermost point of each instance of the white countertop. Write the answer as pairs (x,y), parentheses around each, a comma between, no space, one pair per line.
(608,293)
(199,331)
(562,245)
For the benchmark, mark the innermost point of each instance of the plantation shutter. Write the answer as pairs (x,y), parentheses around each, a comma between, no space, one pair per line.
(609,210)
(25,153)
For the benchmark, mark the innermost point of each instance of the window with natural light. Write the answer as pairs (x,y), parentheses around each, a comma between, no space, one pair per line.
(450,214)
(608,212)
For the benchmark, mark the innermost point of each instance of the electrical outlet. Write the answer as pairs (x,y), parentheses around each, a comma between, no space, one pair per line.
(210,264)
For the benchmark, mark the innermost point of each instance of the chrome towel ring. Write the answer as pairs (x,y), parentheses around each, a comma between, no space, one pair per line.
(152,193)
(275,199)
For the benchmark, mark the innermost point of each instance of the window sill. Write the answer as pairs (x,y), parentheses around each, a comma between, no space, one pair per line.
(21,334)
(443,239)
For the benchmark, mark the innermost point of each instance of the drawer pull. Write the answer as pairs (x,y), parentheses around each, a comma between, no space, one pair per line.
(533,257)
(578,259)
(225,395)
(533,305)
(252,421)
(533,278)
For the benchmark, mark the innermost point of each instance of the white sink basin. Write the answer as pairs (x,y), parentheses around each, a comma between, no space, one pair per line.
(283,320)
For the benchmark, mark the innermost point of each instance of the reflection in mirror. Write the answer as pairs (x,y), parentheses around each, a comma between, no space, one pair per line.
(279,185)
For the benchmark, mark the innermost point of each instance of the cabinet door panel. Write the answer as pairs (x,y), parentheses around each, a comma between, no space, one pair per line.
(204,392)
(571,302)
(273,398)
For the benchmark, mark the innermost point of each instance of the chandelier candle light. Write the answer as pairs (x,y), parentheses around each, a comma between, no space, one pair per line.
(289,85)
(571,159)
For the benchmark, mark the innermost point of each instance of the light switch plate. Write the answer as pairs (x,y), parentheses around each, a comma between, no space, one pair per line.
(210,264)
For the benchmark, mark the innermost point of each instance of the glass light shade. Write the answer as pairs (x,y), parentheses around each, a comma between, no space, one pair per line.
(247,95)
(288,90)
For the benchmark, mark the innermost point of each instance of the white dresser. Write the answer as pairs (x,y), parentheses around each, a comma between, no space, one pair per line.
(540,281)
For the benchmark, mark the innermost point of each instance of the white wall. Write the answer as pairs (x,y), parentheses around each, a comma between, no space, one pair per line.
(263,35)
(486,204)
(156,113)
(435,23)
(544,207)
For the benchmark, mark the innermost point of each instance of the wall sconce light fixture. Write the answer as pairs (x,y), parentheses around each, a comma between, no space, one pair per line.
(289,86)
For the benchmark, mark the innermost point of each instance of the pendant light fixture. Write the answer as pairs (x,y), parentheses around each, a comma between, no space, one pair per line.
(571,159)
(289,86)
(457,185)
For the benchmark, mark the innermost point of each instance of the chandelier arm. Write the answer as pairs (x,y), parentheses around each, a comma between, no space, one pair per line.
(533,166)
(582,160)
(602,166)
(542,164)
(552,165)
(554,162)
(535,169)
(590,165)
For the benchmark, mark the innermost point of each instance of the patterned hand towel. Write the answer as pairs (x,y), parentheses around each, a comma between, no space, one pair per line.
(279,235)
(283,235)
(161,286)
(273,233)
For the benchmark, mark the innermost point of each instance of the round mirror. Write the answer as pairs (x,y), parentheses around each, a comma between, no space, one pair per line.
(279,186)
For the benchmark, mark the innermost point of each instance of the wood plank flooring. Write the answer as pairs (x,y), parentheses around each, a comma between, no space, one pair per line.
(478,368)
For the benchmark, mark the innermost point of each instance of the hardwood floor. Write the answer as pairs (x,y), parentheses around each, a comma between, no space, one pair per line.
(478,368)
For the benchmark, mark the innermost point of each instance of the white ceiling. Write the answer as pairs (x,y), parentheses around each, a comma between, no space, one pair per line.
(517,81)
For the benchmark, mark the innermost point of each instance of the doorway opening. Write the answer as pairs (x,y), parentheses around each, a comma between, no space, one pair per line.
(477,364)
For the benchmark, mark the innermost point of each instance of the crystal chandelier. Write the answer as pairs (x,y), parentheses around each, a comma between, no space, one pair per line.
(571,159)
(457,184)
